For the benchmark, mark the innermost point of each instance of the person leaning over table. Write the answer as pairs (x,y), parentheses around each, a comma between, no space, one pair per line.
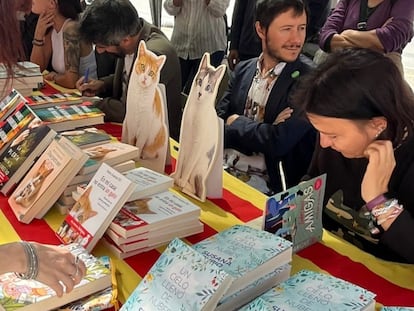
(364,113)
(256,106)
(51,265)
(115,27)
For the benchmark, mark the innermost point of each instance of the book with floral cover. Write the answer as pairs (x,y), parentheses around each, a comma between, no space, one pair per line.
(181,279)
(31,295)
(152,213)
(313,291)
(92,213)
(296,214)
(247,254)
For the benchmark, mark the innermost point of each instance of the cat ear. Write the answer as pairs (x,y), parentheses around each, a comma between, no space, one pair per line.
(205,61)
(142,49)
(161,61)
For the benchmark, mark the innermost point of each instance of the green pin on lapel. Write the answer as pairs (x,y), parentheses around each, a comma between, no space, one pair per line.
(295,74)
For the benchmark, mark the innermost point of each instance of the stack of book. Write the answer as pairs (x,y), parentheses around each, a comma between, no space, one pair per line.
(27,77)
(45,101)
(257,260)
(313,291)
(31,295)
(147,223)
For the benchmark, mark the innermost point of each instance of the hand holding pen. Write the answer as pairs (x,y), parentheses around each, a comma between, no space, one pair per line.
(89,87)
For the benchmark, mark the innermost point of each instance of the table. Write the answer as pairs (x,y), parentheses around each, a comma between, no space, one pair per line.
(393,283)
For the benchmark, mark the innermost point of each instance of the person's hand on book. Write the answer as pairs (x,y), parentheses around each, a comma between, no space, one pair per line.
(90,88)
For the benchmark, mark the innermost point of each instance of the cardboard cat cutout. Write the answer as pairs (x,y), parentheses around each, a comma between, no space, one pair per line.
(199,165)
(145,120)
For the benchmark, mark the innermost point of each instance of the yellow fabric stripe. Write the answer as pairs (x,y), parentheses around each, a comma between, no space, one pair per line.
(7,232)
(399,274)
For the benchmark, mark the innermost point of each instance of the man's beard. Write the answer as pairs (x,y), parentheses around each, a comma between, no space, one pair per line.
(276,56)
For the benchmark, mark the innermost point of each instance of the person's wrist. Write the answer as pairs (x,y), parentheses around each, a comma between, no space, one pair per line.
(378,200)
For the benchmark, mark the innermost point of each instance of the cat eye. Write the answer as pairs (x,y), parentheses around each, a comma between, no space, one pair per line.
(208,87)
(151,74)
(199,81)
(142,67)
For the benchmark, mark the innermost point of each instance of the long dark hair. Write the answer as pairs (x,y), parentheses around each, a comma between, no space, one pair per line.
(359,84)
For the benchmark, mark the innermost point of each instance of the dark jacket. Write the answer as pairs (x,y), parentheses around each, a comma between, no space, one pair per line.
(344,174)
(170,76)
(291,142)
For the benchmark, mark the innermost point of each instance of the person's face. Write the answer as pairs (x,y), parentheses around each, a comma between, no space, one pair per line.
(126,46)
(41,6)
(285,36)
(349,137)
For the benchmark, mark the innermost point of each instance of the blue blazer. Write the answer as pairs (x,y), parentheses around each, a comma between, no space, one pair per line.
(291,142)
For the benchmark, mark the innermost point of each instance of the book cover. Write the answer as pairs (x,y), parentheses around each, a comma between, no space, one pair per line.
(109,244)
(45,101)
(31,295)
(397,309)
(45,181)
(110,153)
(17,159)
(313,291)
(92,213)
(68,117)
(87,137)
(181,279)
(296,214)
(148,182)
(10,102)
(152,213)
(245,253)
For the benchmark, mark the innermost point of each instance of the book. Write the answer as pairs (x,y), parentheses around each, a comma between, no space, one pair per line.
(110,153)
(296,214)
(31,295)
(157,238)
(153,213)
(46,179)
(91,215)
(10,102)
(254,289)
(245,253)
(27,78)
(20,155)
(87,137)
(384,308)
(313,291)
(45,101)
(181,279)
(68,117)
(148,182)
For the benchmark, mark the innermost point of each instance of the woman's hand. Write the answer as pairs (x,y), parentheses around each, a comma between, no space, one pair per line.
(58,268)
(44,22)
(283,115)
(381,164)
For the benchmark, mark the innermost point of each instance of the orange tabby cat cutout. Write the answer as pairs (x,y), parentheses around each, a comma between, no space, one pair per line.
(145,120)
(199,165)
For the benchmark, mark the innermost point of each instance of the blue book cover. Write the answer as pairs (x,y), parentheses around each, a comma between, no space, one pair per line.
(313,291)
(181,279)
(296,214)
(245,253)
(397,308)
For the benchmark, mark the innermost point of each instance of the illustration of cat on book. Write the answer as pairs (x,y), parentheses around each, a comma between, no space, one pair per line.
(16,289)
(135,207)
(145,124)
(99,152)
(199,135)
(28,193)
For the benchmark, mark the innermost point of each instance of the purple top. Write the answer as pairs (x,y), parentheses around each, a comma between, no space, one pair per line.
(394,36)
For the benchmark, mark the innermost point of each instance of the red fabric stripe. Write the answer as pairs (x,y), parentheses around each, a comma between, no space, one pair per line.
(47,89)
(345,268)
(242,209)
(38,230)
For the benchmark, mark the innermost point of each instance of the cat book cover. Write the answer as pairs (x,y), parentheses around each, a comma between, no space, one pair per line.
(15,123)
(68,117)
(245,253)
(46,179)
(313,291)
(87,137)
(181,279)
(199,169)
(110,153)
(92,213)
(31,295)
(17,159)
(152,213)
(9,103)
(148,182)
(145,125)
(296,214)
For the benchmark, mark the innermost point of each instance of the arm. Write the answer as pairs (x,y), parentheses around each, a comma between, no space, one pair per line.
(236,27)
(223,108)
(333,25)
(173,7)
(217,8)
(363,39)
(42,52)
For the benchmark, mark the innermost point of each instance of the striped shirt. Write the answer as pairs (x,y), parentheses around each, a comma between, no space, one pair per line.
(198,28)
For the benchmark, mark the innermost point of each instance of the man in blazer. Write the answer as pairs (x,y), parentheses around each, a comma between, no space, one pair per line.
(255,107)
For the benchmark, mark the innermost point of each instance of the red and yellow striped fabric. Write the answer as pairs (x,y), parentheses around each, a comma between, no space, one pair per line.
(393,283)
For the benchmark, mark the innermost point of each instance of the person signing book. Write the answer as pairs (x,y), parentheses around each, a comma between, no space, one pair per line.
(366,137)
(51,265)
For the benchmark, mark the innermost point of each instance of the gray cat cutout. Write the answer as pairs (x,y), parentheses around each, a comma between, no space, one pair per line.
(199,171)
(145,123)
